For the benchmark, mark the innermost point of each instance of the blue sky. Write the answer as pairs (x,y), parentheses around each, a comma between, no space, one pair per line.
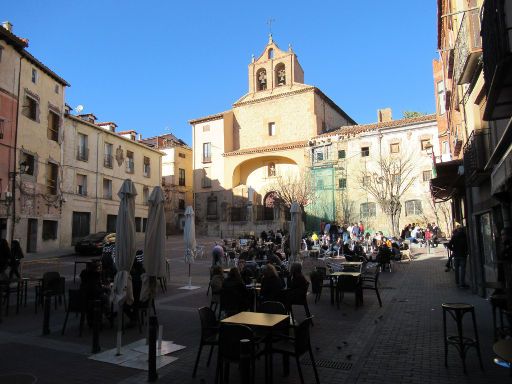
(153,65)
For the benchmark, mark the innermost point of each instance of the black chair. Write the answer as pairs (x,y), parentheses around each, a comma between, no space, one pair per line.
(273,307)
(231,302)
(320,282)
(371,281)
(77,304)
(298,297)
(209,334)
(52,285)
(297,346)
(349,284)
(229,349)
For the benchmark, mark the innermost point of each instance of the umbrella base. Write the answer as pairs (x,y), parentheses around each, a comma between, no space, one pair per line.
(190,287)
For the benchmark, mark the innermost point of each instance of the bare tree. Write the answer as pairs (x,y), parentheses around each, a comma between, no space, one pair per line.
(387,182)
(346,211)
(292,187)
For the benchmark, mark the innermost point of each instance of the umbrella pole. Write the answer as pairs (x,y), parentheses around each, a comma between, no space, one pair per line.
(189,277)
(119,329)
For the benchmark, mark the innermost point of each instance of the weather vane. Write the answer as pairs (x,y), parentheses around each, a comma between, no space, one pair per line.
(269,23)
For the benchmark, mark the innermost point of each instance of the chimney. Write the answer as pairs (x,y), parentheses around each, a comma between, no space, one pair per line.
(7,25)
(140,136)
(384,115)
(89,117)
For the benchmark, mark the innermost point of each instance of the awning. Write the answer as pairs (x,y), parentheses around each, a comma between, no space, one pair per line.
(449,180)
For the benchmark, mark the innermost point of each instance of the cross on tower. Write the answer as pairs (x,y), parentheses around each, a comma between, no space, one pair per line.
(269,23)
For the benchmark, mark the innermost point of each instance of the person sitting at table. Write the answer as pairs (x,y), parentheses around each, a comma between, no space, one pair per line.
(108,266)
(245,272)
(136,274)
(234,291)
(92,289)
(271,284)
(384,255)
(298,283)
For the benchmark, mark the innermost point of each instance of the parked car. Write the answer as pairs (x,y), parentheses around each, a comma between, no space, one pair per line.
(92,244)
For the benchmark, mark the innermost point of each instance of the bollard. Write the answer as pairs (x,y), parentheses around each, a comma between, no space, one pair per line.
(96,326)
(245,361)
(153,327)
(46,317)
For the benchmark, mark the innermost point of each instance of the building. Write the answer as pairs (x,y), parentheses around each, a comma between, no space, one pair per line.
(463,177)
(239,153)
(34,134)
(96,161)
(11,52)
(176,178)
(340,161)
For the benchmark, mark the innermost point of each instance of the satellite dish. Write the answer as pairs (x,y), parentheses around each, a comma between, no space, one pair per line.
(79,108)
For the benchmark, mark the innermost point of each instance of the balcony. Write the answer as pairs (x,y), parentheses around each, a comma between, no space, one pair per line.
(468,47)
(82,153)
(497,57)
(476,155)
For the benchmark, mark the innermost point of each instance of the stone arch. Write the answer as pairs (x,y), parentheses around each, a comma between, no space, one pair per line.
(246,169)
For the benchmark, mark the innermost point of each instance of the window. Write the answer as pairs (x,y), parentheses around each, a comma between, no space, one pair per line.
(145,195)
(342,154)
(367,180)
(50,230)
(107,189)
(446,147)
(146,167)
(107,158)
(181,204)
(144,224)
(53,126)
(413,207)
(57,88)
(368,210)
(111,223)
(31,108)
(365,151)
(271,169)
(425,143)
(206,128)
(182,177)
(441,98)
(81,185)
(52,178)
(261,78)
(271,129)
(207,152)
(427,175)
(271,53)
(130,163)
(138,224)
(280,74)
(182,155)
(2,121)
(394,148)
(30,162)
(206,182)
(319,156)
(82,152)
(342,183)
(34,75)
(211,208)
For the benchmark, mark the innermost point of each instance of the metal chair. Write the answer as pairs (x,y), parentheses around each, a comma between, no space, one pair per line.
(209,334)
(78,305)
(371,282)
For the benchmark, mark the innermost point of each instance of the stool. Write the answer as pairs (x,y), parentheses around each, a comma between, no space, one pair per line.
(462,343)
(498,302)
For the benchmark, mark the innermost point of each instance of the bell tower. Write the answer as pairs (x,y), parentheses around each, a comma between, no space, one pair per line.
(274,69)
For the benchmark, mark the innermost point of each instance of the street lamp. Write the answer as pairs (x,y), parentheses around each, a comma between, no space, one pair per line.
(10,197)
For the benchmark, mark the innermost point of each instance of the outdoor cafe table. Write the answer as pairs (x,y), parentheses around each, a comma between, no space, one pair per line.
(334,276)
(353,264)
(266,321)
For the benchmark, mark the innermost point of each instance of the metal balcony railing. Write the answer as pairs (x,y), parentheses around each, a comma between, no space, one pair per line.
(108,161)
(476,154)
(82,153)
(467,43)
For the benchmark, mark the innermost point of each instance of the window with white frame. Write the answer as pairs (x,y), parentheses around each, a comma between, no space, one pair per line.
(413,207)
(130,162)
(107,189)
(82,150)
(145,195)
(146,167)
(207,152)
(272,129)
(108,157)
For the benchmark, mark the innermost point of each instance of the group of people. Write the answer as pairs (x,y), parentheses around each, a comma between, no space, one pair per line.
(10,259)
(428,236)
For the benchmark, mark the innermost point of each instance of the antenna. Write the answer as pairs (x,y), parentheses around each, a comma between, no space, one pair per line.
(79,108)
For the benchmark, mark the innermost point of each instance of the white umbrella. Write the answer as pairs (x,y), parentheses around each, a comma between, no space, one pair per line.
(189,236)
(154,244)
(295,232)
(125,249)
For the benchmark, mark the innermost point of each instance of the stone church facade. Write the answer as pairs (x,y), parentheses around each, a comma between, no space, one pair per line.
(239,153)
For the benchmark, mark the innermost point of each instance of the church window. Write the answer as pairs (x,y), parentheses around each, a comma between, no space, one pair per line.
(261,78)
(271,129)
(271,53)
(280,74)
(271,169)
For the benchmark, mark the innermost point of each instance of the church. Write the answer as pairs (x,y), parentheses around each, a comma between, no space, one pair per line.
(241,154)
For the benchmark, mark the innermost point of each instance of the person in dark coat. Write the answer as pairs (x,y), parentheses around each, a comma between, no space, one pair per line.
(271,284)
(15,260)
(298,286)
(234,290)
(5,255)
(458,244)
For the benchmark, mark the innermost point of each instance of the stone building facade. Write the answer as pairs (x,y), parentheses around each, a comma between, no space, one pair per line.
(239,153)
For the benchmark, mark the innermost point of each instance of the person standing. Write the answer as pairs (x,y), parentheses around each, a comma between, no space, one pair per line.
(459,246)
(218,255)
(5,256)
(16,256)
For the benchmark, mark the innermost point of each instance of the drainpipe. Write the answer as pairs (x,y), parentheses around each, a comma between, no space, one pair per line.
(13,181)
(97,177)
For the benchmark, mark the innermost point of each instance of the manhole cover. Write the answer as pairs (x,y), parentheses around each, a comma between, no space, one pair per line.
(329,364)
(18,378)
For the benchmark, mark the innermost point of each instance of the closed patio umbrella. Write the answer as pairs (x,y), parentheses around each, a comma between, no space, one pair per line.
(154,244)
(189,237)
(295,233)
(125,249)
